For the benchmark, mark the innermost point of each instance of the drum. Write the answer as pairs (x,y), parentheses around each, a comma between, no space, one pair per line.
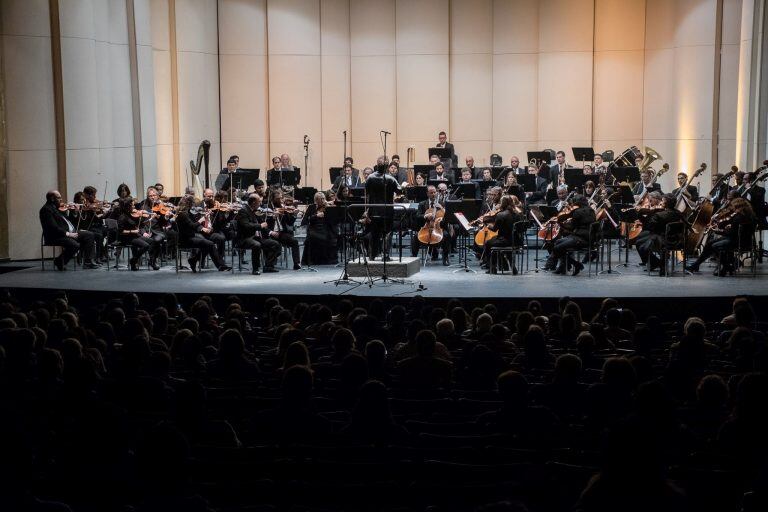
(627,157)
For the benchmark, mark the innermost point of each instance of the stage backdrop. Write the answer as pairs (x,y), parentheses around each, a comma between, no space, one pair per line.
(142,82)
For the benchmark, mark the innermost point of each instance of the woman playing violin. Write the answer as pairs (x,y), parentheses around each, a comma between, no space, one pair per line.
(161,223)
(133,230)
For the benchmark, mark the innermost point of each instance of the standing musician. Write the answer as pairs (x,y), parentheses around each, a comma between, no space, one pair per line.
(646,185)
(504,224)
(194,230)
(557,170)
(650,239)
(133,226)
(580,218)
(320,247)
(281,226)
(442,142)
(725,228)
(251,226)
(58,230)
(691,193)
(599,165)
(422,217)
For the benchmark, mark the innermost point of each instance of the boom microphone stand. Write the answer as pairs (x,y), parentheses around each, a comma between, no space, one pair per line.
(306,158)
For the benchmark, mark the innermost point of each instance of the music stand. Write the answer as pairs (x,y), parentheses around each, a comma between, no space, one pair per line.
(483,186)
(334,173)
(435,183)
(461,211)
(341,214)
(241,179)
(416,194)
(496,172)
(423,169)
(442,153)
(527,181)
(283,178)
(516,190)
(575,178)
(540,156)
(305,195)
(584,154)
(465,190)
(626,174)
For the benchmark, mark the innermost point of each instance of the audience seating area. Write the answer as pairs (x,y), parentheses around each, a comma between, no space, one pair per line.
(155,406)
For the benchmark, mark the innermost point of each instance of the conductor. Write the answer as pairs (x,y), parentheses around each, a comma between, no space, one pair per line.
(380,188)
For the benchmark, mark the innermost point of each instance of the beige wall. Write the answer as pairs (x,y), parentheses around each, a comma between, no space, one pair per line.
(255,76)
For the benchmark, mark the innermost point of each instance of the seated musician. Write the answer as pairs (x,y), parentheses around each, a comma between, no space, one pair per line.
(599,167)
(719,192)
(347,178)
(589,189)
(580,218)
(281,226)
(466,175)
(649,241)
(488,212)
(724,235)
(487,175)
(504,224)
(259,187)
(160,225)
(217,221)
(691,193)
(251,231)
(285,164)
(562,198)
(470,161)
(420,179)
(431,204)
(221,221)
(59,230)
(276,166)
(93,220)
(398,174)
(134,229)
(540,194)
(514,166)
(161,191)
(755,194)
(366,172)
(645,185)
(439,173)
(343,195)
(194,230)
(320,246)
(588,170)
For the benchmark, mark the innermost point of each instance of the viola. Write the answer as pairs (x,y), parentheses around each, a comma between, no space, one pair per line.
(141,214)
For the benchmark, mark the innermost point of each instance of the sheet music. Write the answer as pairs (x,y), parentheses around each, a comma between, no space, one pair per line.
(462,220)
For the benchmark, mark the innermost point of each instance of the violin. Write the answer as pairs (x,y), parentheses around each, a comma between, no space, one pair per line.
(141,214)
(163,209)
(70,206)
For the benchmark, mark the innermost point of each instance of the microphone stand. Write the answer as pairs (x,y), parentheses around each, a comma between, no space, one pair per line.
(344,277)
(306,158)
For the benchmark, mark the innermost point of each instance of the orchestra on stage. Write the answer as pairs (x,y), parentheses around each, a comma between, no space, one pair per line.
(437,210)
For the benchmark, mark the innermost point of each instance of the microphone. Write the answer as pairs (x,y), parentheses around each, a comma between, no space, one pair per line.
(306,139)
(386,132)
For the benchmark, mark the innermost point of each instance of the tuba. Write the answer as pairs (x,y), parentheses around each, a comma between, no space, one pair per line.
(195,167)
(650,155)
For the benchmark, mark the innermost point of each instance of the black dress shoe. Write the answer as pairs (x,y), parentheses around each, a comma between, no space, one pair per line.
(514,271)
(192,264)
(134,264)
(91,265)
(225,268)
(560,270)
(577,267)
(691,268)
(297,267)
(446,263)
(58,264)
(153,264)
(270,270)
(256,272)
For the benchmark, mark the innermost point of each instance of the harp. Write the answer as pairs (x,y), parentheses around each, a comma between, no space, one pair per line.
(195,167)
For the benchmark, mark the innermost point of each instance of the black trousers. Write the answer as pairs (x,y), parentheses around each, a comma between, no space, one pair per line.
(204,247)
(70,246)
(716,244)
(444,244)
(565,244)
(142,244)
(647,244)
(219,239)
(99,234)
(286,240)
(270,248)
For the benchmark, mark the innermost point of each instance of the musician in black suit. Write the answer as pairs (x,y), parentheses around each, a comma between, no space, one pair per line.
(351,162)
(645,185)
(380,188)
(580,220)
(421,219)
(650,240)
(58,230)
(193,228)
(719,192)
(439,173)
(755,194)
(442,142)
(691,193)
(504,225)
(281,227)
(398,173)
(251,227)
(514,166)
(558,168)
(347,177)
(470,161)
(540,194)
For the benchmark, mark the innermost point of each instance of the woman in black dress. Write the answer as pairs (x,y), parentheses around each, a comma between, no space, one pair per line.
(320,245)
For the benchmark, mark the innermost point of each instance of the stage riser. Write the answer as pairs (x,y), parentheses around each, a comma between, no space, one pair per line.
(406,268)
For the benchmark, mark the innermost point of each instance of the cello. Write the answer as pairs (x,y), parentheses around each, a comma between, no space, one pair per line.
(486,232)
(432,231)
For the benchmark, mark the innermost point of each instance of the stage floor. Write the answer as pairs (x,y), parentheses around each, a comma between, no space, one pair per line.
(433,280)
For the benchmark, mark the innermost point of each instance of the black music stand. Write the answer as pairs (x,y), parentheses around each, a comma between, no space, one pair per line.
(518,191)
(496,172)
(575,178)
(527,181)
(423,169)
(465,190)
(540,156)
(584,154)
(470,210)
(282,178)
(483,186)
(626,174)
(442,153)
(305,195)
(435,183)
(416,194)
(241,179)
(334,173)
(341,214)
